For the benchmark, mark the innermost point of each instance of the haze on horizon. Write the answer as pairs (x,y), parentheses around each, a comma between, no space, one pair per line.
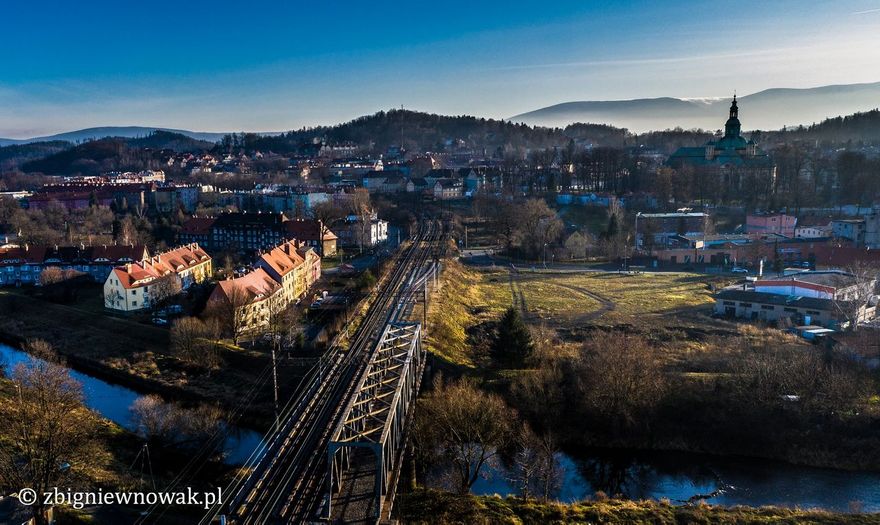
(219,66)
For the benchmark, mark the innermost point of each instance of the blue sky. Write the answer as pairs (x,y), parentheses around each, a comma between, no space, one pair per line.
(257,65)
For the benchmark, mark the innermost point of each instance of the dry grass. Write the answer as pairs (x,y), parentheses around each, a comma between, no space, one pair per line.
(560,297)
(431,506)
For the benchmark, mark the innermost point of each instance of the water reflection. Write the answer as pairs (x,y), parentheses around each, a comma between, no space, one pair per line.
(114,403)
(680,477)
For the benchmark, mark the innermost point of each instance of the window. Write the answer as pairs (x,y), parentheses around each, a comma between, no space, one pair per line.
(134,292)
(746,305)
(767,307)
(729,303)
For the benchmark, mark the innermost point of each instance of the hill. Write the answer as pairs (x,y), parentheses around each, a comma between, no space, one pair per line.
(416,131)
(109,154)
(856,128)
(768,109)
(83,135)
(11,156)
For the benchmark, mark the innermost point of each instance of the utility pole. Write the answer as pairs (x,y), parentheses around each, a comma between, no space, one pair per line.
(275,378)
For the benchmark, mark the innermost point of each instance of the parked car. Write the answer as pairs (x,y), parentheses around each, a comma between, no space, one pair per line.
(160,321)
(737,269)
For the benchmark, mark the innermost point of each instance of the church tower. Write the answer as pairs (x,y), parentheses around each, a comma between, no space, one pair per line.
(732,128)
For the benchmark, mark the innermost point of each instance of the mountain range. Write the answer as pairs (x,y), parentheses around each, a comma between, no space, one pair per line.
(771,109)
(128,132)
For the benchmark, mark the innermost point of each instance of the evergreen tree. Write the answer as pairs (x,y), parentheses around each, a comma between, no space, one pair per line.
(612,228)
(513,342)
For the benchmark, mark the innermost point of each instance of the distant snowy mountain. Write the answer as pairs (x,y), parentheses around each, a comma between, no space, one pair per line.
(767,110)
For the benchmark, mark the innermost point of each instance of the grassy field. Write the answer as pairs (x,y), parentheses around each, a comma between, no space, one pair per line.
(568,302)
(431,506)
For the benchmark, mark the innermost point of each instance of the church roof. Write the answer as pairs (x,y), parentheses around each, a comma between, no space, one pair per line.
(731,149)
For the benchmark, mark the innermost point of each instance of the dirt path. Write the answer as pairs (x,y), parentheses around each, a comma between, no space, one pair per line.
(519,299)
(607,304)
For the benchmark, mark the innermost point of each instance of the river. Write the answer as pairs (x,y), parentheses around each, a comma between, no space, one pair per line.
(636,475)
(114,402)
(678,476)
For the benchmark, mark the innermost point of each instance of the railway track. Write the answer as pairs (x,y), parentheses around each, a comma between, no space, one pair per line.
(289,482)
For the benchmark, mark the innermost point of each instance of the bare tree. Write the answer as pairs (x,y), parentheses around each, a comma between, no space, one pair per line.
(620,377)
(359,204)
(854,302)
(576,244)
(192,341)
(51,275)
(326,213)
(167,424)
(231,312)
(464,426)
(163,289)
(50,433)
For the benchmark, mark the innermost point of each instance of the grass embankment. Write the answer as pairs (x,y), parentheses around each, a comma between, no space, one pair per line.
(431,506)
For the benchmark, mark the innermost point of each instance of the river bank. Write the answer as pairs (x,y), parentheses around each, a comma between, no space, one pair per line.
(137,356)
(113,402)
(432,506)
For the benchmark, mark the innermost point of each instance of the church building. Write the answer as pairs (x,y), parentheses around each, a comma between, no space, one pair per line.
(730,167)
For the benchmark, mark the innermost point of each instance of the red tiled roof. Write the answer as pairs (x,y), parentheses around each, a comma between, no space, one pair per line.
(308,230)
(198,226)
(173,261)
(283,258)
(257,284)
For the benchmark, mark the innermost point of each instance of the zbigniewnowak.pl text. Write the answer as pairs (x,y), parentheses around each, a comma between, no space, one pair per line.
(79,499)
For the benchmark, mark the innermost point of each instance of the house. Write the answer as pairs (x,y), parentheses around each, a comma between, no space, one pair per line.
(140,285)
(313,233)
(655,229)
(354,231)
(749,304)
(235,231)
(777,223)
(293,266)
(850,229)
(281,276)
(253,298)
(24,264)
(831,284)
(803,298)
(872,229)
(445,189)
(255,231)
(417,184)
(817,231)
(197,230)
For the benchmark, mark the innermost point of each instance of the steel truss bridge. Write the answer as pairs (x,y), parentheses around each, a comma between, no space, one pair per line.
(358,399)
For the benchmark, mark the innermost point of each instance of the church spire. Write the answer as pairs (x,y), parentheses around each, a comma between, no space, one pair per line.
(732,127)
